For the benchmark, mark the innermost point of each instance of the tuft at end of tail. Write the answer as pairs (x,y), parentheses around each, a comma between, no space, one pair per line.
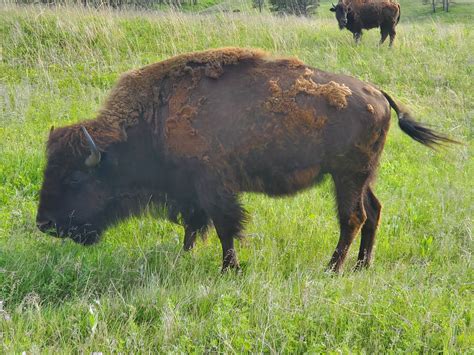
(416,130)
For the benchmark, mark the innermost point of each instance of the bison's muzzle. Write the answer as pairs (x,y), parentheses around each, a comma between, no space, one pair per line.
(46,226)
(85,235)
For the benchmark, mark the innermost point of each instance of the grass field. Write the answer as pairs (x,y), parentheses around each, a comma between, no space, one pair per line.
(137,291)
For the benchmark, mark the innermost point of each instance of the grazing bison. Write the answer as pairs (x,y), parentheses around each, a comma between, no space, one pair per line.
(356,15)
(196,130)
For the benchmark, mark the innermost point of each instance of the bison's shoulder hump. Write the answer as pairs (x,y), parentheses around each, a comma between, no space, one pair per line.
(215,57)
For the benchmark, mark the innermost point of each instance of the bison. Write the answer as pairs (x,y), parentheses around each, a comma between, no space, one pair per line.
(356,15)
(194,131)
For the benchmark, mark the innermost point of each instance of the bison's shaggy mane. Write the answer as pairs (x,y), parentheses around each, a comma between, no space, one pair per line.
(137,89)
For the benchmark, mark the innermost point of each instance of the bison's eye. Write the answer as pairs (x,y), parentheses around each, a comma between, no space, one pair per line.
(76,178)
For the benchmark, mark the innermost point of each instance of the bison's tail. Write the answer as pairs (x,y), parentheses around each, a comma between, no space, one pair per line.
(416,130)
(399,13)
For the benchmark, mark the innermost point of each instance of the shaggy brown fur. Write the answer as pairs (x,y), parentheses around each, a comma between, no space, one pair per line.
(122,110)
(194,131)
(356,15)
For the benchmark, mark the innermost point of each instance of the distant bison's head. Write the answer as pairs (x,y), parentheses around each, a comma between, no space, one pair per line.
(341,11)
(85,190)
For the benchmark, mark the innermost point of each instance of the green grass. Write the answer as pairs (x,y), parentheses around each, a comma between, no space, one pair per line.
(137,291)
(189,7)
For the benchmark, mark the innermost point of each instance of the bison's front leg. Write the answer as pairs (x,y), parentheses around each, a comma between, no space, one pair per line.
(195,223)
(228,220)
(228,216)
(190,235)
(357,36)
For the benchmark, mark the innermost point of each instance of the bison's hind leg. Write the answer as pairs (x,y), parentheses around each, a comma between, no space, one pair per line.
(392,33)
(372,208)
(350,189)
(383,34)
(387,27)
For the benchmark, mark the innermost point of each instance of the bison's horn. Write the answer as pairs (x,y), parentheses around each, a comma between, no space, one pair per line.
(93,159)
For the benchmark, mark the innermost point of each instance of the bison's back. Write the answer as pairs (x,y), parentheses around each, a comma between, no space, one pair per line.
(372,14)
(274,124)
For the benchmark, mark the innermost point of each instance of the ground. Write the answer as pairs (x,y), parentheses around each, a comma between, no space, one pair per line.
(137,290)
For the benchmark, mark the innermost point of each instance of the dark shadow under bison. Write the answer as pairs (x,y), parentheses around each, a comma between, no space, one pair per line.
(194,131)
(358,15)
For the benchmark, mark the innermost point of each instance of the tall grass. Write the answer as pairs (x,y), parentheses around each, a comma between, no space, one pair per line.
(137,291)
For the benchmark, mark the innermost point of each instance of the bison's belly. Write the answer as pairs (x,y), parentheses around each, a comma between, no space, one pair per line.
(275,182)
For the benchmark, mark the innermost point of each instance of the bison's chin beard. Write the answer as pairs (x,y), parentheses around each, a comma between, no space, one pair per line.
(84,235)
(87,238)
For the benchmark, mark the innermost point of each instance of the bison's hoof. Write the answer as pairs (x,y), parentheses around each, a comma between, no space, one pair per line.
(334,269)
(188,246)
(234,266)
(361,265)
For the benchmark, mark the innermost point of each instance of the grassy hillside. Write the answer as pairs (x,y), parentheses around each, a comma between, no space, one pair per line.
(137,290)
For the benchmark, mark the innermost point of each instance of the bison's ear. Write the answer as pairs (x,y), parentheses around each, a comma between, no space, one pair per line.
(333,9)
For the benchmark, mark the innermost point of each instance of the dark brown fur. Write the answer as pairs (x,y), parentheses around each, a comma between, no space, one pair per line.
(196,130)
(356,15)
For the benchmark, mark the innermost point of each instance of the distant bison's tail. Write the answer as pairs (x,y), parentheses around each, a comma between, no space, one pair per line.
(416,130)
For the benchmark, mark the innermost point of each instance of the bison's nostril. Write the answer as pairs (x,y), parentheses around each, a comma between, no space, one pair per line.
(44,226)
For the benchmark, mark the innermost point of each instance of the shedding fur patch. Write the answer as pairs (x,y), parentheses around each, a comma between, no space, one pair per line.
(284,101)
(371,109)
(181,137)
(334,93)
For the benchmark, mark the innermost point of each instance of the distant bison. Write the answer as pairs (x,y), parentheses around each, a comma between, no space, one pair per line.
(194,131)
(356,15)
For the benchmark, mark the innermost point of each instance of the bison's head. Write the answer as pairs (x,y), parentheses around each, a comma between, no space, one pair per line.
(341,11)
(85,189)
